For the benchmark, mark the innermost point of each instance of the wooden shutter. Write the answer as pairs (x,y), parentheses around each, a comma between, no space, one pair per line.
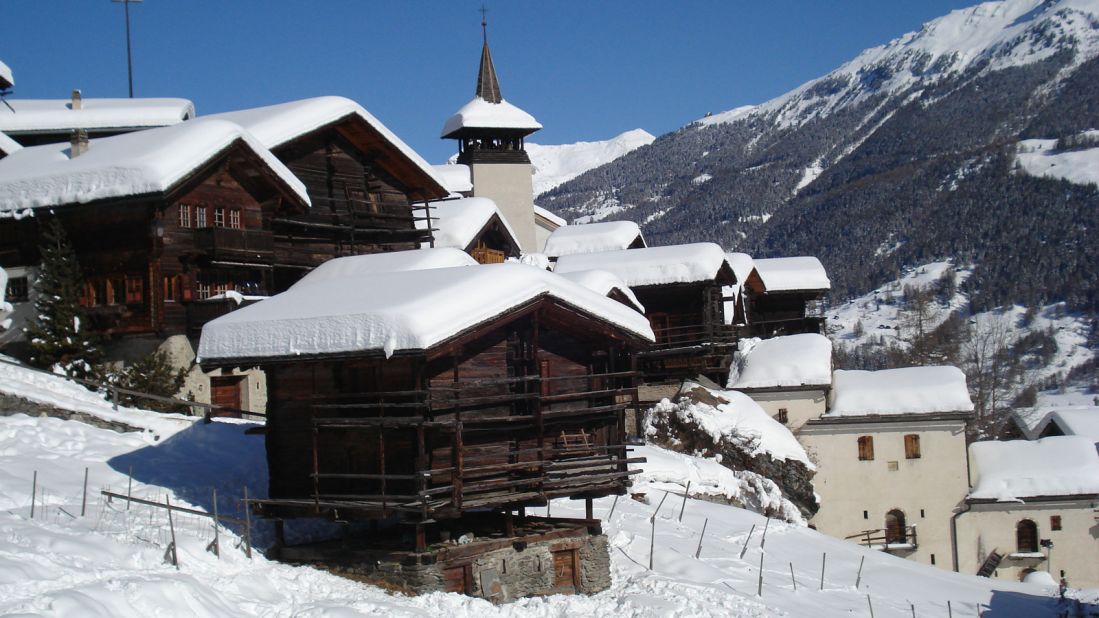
(866,448)
(912,446)
(1026,536)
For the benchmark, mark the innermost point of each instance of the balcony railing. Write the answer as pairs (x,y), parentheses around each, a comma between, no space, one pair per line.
(233,244)
(692,335)
(885,540)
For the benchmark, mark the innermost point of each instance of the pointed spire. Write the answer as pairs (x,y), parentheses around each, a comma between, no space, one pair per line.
(488,87)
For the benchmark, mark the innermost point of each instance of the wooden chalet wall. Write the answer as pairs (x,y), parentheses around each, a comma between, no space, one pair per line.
(691,335)
(148,262)
(782,313)
(509,417)
(357,207)
(493,244)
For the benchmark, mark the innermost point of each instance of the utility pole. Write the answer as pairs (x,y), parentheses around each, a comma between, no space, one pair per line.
(129,53)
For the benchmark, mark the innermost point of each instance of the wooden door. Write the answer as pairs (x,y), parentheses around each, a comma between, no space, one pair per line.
(456,579)
(565,569)
(225,392)
(894,527)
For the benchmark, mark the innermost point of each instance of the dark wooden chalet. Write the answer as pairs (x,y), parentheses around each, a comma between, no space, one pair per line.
(473,225)
(362,180)
(160,220)
(749,285)
(789,304)
(680,287)
(491,388)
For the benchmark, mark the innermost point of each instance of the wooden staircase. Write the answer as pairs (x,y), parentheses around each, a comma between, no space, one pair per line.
(990,564)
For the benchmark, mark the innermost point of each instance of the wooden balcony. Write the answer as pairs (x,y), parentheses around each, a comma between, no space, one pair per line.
(222,243)
(901,539)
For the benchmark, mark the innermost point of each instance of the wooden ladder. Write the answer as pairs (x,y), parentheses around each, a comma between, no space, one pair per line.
(989,565)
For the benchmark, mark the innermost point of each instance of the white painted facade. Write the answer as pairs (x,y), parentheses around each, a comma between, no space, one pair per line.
(857,494)
(796,405)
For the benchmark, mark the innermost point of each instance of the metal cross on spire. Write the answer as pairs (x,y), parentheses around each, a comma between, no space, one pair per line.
(484,22)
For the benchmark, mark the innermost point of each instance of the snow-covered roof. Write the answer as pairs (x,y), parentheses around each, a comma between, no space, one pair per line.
(130,164)
(1075,421)
(744,268)
(274,125)
(6,78)
(592,238)
(8,145)
(391,262)
(789,361)
(549,216)
(1056,466)
(417,310)
(455,176)
(57,115)
(457,222)
(653,265)
(791,274)
(908,390)
(480,114)
(604,282)
(742,265)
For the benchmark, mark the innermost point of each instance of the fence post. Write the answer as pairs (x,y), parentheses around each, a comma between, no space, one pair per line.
(913,606)
(217,537)
(759,587)
(613,505)
(746,541)
(247,526)
(684,506)
(858,578)
(949,610)
(698,551)
(114,398)
(34,491)
(871,605)
(792,580)
(823,562)
(172,528)
(763,540)
(84,498)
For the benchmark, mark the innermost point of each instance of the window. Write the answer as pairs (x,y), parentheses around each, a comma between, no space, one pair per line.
(1054,522)
(894,527)
(219,217)
(202,291)
(912,446)
(184,215)
(783,415)
(234,219)
(88,297)
(135,290)
(866,448)
(171,288)
(18,290)
(200,216)
(1026,536)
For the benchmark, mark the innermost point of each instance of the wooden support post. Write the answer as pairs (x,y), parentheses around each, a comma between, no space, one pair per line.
(746,541)
(792,580)
(84,496)
(114,399)
(172,528)
(858,578)
(217,532)
(316,476)
(247,525)
(588,512)
(34,491)
(698,551)
(421,539)
(684,505)
(763,539)
(823,562)
(759,587)
(509,524)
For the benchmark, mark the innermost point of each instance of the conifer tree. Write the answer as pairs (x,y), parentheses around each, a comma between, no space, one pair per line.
(58,334)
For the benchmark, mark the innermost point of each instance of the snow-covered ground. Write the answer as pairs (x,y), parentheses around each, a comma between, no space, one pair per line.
(111,561)
(1039,157)
(556,165)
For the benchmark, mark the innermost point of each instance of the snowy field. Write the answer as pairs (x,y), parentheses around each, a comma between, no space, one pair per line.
(111,562)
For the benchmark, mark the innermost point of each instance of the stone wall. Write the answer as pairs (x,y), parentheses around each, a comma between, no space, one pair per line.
(11,404)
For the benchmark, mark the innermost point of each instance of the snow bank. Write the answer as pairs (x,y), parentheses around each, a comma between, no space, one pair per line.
(457,222)
(340,269)
(793,360)
(605,283)
(57,391)
(417,310)
(1057,466)
(735,416)
(275,125)
(653,265)
(480,114)
(556,165)
(791,274)
(1038,158)
(131,164)
(455,176)
(909,390)
(57,115)
(592,238)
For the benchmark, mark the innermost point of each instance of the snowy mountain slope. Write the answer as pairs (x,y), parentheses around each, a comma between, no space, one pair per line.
(912,143)
(554,165)
(111,562)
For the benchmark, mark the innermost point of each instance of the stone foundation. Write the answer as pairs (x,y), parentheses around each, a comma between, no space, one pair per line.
(564,559)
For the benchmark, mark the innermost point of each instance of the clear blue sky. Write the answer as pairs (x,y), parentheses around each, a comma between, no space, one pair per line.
(587,70)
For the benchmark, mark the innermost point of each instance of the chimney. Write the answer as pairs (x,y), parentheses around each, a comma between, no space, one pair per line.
(78,143)
(78,102)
